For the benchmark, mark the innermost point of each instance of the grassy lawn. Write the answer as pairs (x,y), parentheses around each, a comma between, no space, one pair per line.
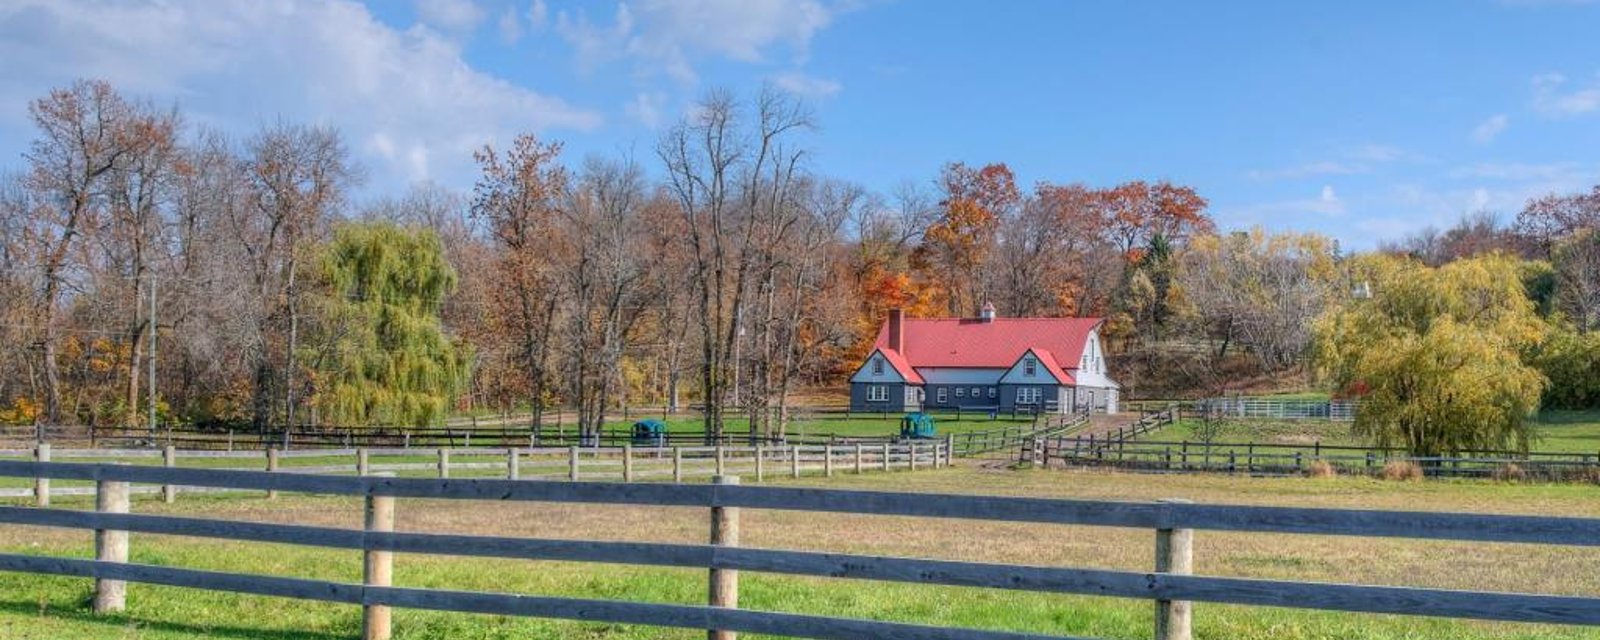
(37,607)
(859,425)
(1554,431)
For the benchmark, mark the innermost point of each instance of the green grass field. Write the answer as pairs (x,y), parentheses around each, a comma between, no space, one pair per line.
(35,607)
(858,425)
(1554,432)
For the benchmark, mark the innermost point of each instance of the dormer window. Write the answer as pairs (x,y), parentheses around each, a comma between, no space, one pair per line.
(877,366)
(1030,366)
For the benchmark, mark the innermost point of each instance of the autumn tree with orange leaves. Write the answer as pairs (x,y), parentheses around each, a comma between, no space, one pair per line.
(958,245)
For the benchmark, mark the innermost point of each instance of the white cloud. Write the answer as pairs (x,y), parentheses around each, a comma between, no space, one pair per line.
(1321,168)
(647,108)
(1550,97)
(1349,161)
(510,26)
(452,16)
(1490,129)
(809,87)
(539,14)
(406,101)
(1325,203)
(1559,172)
(668,36)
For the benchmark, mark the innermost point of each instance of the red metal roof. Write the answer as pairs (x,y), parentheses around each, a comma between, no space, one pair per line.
(974,343)
(900,365)
(1049,361)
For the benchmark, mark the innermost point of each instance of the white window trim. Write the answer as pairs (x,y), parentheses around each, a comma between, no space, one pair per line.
(993,391)
(961,392)
(1028,395)
(943,395)
(877,393)
(1030,366)
(877,366)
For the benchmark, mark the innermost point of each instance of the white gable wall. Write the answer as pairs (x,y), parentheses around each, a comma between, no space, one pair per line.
(1018,373)
(1090,370)
(865,373)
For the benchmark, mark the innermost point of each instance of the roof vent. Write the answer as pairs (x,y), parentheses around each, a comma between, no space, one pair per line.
(987,313)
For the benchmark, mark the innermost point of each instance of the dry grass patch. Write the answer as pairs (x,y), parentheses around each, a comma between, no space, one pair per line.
(1401,470)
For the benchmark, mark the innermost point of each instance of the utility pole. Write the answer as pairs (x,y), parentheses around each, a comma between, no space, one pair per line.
(152,353)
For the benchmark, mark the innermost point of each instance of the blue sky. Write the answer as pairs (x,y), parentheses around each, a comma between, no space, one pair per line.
(1363,120)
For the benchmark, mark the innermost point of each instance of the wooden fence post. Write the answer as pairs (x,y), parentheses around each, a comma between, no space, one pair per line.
(572,464)
(885,460)
(444,462)
(513,464)
(949,449)
(677,465)
(721,460)
(827,460)
(861,454)
(272,465)
(379,568)
(724,583)
(169,459)
(911,456)
(110,545)
(41,486)
(1174,555)
(627,463)
(761,454)
(363,462)
(794,459)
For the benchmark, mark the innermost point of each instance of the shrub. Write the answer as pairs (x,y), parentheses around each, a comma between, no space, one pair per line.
(1509,472)
(1321,469)
(1402,470)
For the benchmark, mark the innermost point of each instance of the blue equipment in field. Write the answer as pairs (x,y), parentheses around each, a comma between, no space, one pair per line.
(917,425)
(650,432)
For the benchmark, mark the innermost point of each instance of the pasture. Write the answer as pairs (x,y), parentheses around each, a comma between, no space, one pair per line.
(42,607)
(1554,432)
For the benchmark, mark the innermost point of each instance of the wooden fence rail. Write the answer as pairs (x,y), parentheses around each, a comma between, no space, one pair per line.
(1170,584)
(1285,459)
(628,463)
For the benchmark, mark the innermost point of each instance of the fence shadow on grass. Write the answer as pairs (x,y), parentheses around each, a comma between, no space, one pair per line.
(116,625)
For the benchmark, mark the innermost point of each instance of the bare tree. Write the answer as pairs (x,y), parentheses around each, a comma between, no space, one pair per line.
(518,196)
(603,278)
(83,136)
(298,177)
(731,181)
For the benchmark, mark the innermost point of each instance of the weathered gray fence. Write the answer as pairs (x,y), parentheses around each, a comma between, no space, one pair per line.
(626,463)
(1171,585)
(1263,458)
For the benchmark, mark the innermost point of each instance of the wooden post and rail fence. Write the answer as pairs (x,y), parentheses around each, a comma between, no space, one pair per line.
(1171,586)
(627,463)
(1271,459)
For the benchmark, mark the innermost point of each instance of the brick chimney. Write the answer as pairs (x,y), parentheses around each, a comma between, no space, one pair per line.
(896,320)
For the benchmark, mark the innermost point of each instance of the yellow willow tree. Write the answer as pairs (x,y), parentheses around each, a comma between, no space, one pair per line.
(384,357)
(1436,355)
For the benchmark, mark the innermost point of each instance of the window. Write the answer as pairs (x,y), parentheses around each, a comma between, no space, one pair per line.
(992,392)
(877,393)
(977,392)
(877,366)
(1028,395)
(1029,366)
(944,395)
(961,392)
(911,395)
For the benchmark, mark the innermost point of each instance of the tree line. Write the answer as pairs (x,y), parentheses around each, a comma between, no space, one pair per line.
(722,270)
